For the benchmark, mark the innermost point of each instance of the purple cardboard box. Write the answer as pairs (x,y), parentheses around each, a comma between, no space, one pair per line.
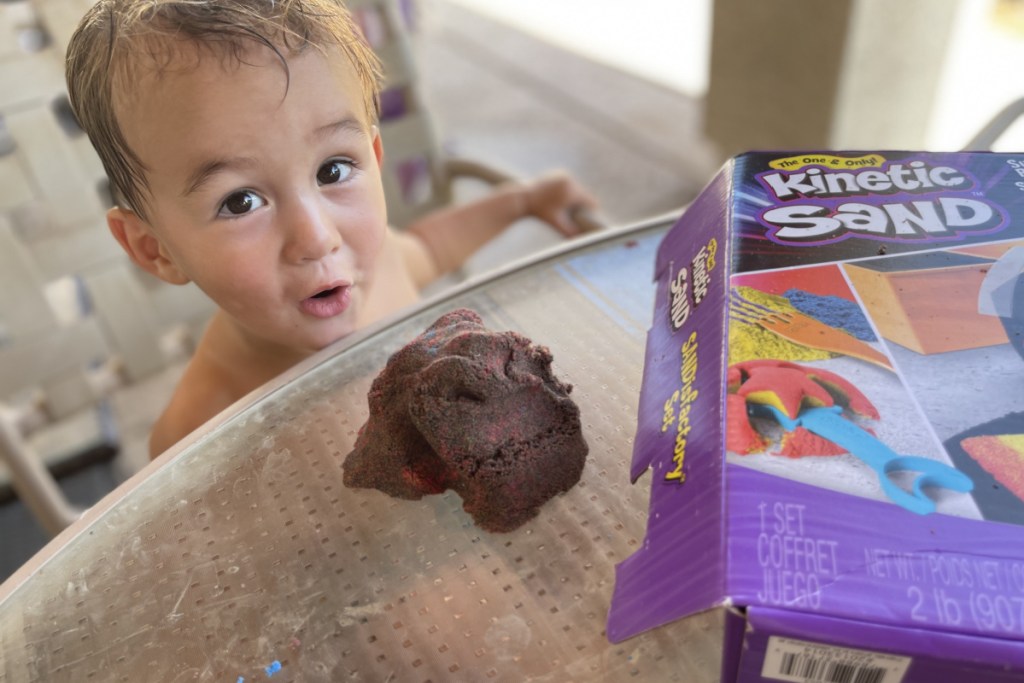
(832,413)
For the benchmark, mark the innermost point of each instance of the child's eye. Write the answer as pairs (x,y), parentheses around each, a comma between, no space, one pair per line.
(240,203)
(334,171)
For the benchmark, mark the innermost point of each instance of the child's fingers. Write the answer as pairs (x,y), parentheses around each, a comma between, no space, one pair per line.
(556,198)
(580,197)
(562,222)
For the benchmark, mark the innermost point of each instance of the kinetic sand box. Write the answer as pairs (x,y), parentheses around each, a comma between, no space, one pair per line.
(832,414)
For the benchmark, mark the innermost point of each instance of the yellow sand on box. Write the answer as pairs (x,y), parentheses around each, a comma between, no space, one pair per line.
(1002,456)
(750,342)
(771,398)
(1014,441)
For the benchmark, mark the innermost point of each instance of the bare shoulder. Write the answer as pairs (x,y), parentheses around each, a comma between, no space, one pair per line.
(396,279)
(200,395)
(410,254)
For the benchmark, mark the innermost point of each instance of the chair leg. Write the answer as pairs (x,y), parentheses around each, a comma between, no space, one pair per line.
(31,480)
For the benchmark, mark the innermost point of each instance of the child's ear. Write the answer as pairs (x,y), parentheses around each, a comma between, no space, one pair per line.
(378,146)
(137,239)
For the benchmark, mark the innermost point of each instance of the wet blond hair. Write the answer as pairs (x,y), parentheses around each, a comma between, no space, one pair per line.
(110,41)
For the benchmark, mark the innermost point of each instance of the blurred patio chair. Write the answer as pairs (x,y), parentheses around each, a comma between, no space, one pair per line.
(996,126)
(77,322)
(53,374)
(418,175)
(68,344)
(1002,290)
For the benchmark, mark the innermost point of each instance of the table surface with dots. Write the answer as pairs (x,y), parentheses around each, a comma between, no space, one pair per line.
(240,556)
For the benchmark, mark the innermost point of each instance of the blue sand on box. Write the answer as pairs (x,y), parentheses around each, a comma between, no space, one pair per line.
(832,310)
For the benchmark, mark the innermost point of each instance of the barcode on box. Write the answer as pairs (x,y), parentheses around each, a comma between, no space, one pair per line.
(799,661)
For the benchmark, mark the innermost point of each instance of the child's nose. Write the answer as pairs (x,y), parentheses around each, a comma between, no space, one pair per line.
(311,234)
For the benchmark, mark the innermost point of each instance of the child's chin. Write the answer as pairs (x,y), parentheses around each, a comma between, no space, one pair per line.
(333,333)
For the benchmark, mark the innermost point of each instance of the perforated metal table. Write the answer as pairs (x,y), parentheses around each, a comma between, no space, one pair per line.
(240,556)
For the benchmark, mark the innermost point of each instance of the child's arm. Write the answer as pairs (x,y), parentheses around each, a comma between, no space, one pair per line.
(444,239)
(188,409)
(210,384)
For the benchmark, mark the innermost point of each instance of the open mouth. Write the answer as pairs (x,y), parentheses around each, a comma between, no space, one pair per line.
(327,303)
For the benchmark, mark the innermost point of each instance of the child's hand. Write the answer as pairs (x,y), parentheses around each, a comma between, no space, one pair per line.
(554,198)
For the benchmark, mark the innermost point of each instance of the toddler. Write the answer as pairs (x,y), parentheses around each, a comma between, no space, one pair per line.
(240,139)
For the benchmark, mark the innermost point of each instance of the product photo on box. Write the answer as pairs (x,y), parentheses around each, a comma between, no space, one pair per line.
(831,420)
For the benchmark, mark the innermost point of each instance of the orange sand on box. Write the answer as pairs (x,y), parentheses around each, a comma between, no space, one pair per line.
(750,342)
(801,442)
(1001,456)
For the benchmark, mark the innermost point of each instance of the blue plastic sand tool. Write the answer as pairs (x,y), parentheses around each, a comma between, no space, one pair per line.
(828,423)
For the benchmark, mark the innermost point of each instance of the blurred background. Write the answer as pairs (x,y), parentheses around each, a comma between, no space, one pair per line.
(641,101)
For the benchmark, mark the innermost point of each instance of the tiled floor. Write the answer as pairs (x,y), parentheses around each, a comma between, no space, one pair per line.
(503,97)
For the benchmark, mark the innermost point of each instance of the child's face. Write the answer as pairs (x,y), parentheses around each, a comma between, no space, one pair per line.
(265,193)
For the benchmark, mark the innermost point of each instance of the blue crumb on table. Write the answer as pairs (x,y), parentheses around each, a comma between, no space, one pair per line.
(272,669)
